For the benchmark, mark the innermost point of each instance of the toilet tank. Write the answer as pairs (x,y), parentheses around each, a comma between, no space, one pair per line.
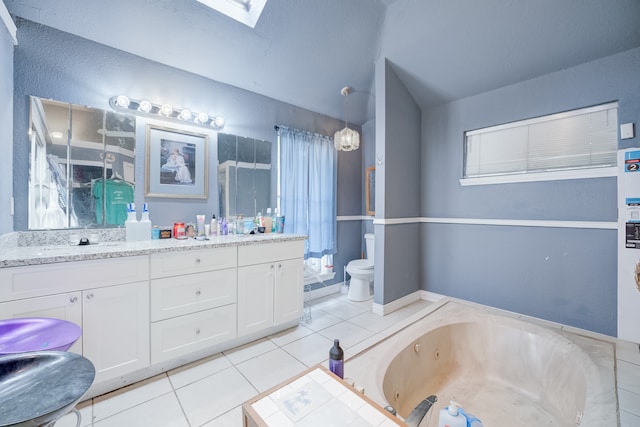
(370,245)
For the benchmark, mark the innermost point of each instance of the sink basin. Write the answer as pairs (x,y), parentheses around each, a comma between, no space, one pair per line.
(37,334)
(37,388)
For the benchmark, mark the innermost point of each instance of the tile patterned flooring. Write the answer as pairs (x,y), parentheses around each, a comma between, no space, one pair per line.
(210,392)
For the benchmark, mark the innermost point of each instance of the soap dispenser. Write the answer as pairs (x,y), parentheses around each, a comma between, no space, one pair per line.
(131,224)
(145,224)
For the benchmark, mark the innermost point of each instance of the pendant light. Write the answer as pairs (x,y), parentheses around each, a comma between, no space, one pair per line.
(346,139)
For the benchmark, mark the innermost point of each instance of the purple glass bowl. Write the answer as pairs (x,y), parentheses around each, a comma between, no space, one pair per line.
(37,334)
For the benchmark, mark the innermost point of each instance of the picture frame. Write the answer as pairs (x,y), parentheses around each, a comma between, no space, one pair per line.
(176,163)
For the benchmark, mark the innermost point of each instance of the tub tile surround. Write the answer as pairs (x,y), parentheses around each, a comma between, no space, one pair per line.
(617,362)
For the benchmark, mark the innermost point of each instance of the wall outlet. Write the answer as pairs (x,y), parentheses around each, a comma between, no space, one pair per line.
(626,131)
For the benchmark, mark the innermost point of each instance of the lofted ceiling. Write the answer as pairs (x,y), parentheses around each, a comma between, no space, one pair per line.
(304,51)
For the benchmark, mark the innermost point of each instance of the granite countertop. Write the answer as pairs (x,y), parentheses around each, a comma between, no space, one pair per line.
(16,255)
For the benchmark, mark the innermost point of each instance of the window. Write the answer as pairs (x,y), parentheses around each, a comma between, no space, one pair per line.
(549,147)
(246,11)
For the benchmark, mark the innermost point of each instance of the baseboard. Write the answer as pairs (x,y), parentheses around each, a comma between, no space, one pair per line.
(384,309)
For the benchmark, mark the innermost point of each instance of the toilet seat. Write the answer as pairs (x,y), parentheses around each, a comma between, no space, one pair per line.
(361,264)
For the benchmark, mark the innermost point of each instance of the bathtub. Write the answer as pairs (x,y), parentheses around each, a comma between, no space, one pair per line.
(505,369)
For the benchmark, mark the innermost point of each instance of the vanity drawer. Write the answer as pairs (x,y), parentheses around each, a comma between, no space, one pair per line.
(38,280)
(167,264)
(183,335)
(176,296)
(269,252)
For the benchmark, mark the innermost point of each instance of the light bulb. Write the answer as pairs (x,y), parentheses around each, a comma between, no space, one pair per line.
(166,110)
(122,101)
(218,122)
(203,118)
(145,106)
(185,115)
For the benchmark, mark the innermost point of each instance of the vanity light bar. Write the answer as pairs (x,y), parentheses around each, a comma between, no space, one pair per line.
(142,106)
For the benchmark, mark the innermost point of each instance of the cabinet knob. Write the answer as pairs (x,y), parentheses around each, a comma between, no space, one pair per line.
(198,331)
(198,293)
(197,260)
(272,266)
(280,266)
(90,296)
(73,299)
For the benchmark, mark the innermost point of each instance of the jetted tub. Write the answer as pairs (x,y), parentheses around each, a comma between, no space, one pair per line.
(504,369)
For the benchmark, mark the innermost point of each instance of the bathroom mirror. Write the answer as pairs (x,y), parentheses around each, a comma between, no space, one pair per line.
(370,190)
(81,165)
(244,175)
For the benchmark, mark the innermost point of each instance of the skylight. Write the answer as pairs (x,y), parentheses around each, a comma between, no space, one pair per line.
(245,11)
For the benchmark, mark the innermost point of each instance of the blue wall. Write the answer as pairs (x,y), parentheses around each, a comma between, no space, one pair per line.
(567,275)
(53,64)
(6,124)
(398,138)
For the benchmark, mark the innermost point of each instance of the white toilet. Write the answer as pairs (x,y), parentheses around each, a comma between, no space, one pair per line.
(361,272)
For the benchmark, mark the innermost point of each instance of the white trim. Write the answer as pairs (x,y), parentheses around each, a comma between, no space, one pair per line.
(602,225)
(354,218)
(604,172)
(396,221)
(384,309)
(8,22)
(599,225)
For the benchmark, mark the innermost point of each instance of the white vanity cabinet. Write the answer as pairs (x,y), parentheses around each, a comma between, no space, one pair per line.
(270,285)
(108,299)
(66,306)
(115,325)
(193,301)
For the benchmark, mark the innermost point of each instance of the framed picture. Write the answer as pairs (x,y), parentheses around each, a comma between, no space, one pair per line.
(176,163)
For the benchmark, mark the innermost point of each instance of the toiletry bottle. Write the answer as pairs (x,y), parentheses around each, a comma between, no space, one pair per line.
(200,225)
(219,227)
(223,226)
(268,221)
(452,416)
(274,220)
(214,225)
(239,225)
(336,359)
(145,224)
(259,220)
(131,223)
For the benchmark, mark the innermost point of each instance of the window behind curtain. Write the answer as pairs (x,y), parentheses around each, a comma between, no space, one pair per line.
(307,188)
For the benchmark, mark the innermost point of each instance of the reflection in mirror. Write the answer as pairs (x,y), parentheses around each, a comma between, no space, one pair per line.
(370,190)
(81,166)
(244,176)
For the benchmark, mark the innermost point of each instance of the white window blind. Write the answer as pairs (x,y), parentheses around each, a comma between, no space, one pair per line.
(579,139)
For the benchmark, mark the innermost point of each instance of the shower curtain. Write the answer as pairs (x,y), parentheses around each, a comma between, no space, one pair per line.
(308,165)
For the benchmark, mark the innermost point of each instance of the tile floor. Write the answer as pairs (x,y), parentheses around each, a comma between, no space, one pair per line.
(210,392)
